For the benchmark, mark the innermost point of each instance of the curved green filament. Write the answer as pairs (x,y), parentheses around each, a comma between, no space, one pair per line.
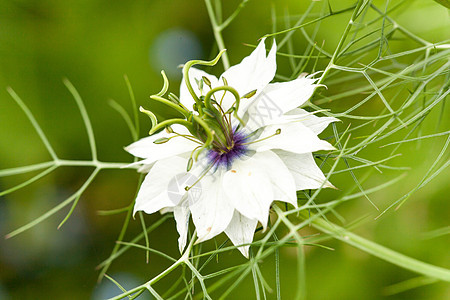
(209,135)
(169,103)
(169,122)
(226,88)
(151,115)
(165,86)
(186,68)
(235,104)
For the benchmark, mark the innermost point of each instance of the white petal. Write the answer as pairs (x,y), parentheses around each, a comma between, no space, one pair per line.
(195,74)
(153,194)
(316,124)
(166,210)
(143,168)
(212,212)
(282,181)
(241,231)
(146,148)
(181,214)
(249,188)
(304,169)
(278,98)
(254,72)
(294,137)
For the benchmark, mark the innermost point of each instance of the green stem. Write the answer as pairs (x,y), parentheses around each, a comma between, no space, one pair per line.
(63,163)
(84,115)
(228,21)
(26,169)
(184,259)
(377,250)
(217,30)
(341,42)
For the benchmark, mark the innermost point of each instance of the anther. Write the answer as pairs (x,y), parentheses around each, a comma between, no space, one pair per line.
(249,94)
(207,81)
(189,164)
(161,140)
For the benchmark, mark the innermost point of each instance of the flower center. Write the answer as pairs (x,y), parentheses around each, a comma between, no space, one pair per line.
(224,156)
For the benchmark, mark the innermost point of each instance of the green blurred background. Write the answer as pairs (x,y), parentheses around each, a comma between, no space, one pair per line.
(94,43)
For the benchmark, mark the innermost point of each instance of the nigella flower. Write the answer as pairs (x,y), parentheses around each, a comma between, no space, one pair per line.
(242,143)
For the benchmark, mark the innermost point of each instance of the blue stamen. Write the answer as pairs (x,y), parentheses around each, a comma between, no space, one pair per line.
(225,158)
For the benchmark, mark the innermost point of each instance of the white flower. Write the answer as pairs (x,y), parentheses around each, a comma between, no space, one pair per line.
(261,151)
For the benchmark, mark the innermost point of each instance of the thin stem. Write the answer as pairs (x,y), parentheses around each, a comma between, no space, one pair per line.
(119,108)
(84,115)
(228,21)
(29,181)
(377,250)
(184,259)
(308,23)
(33,121)
(341,42)
(26,169)
(217,30)
(54,209)
(134,106)
(126,246)
(77,198)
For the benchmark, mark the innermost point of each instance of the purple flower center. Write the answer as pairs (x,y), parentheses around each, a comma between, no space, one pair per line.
(221,157)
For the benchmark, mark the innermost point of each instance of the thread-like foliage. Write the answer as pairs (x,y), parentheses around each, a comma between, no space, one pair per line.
(393,94)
